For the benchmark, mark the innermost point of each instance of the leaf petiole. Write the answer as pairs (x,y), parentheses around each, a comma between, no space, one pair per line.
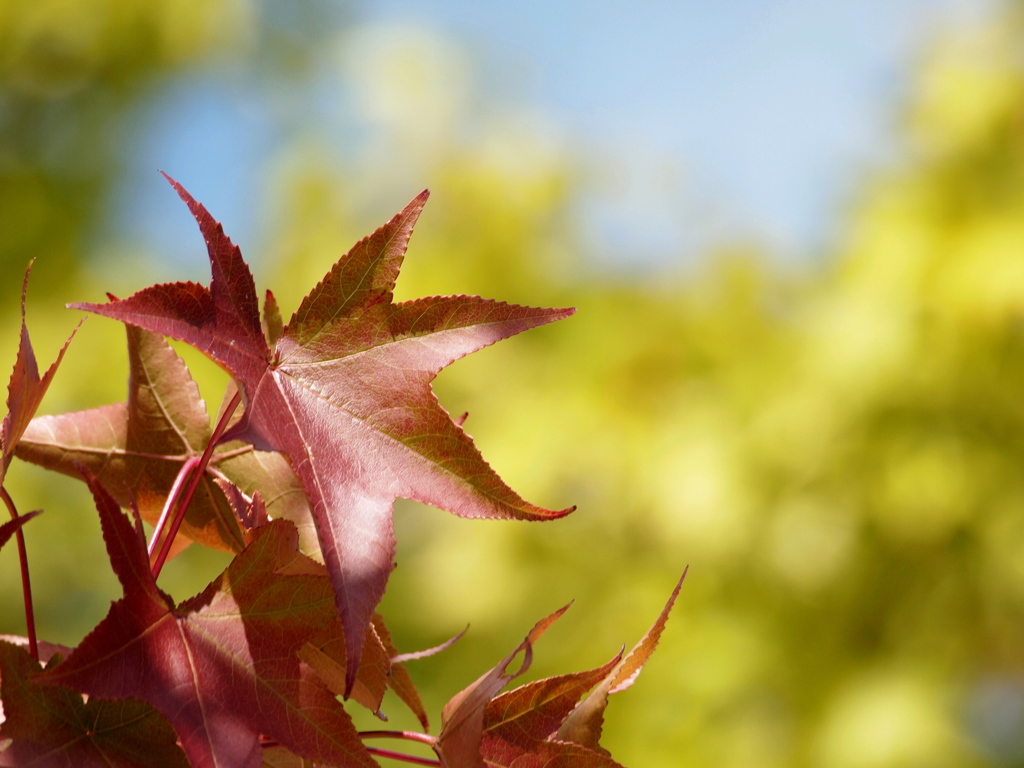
(26,585)
(183,475)
(422,738)
(403,757)
(197,472)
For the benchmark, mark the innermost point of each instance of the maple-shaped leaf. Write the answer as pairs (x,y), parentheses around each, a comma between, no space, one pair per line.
(346,394)
(583,725)
(462,719)
(25,390)
(52,727)
(222,667)
(136,449)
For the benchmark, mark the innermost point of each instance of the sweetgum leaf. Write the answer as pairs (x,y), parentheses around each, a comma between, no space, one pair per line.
(222,667)
(462,719)
(516,722)
(346,394)
(583,725)
(51,727)
(137,448)
(25,390)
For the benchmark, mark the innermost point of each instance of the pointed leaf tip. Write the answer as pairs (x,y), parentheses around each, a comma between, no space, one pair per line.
(26,387)
(8,529)
(584,724)
(462,719)
(354,448)
(195,664)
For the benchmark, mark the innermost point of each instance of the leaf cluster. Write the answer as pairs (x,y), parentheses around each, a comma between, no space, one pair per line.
(329,419)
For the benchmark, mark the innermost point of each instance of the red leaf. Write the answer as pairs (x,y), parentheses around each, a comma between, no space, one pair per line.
(584,723)
(51,727)
(141,445)
(462,719)
(346,395)
(222,666)
(25,390)
(516,722)
(558,754)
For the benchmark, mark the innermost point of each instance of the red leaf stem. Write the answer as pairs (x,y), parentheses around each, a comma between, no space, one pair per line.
(175,493)
(197,476)
(422,738)
(403,757)
(26,584)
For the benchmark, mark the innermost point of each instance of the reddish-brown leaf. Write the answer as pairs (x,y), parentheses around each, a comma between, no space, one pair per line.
(25,390)
(328,659)
(557,754)
(516,722)
(136,450)
(583,725)
(346,394)
(51,727)
(462,719)
(222,666)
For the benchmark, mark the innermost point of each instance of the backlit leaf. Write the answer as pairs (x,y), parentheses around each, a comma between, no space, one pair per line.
(346,394)
(462,719)
(583,725)
(25,390)
(137,448)
(222,666)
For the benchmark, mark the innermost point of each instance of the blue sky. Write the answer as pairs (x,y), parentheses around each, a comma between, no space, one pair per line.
(770,109)
(719,120)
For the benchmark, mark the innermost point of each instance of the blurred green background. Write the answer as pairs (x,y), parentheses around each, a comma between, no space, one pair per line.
(833,442)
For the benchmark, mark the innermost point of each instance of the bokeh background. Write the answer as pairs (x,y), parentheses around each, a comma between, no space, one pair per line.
(794,233)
